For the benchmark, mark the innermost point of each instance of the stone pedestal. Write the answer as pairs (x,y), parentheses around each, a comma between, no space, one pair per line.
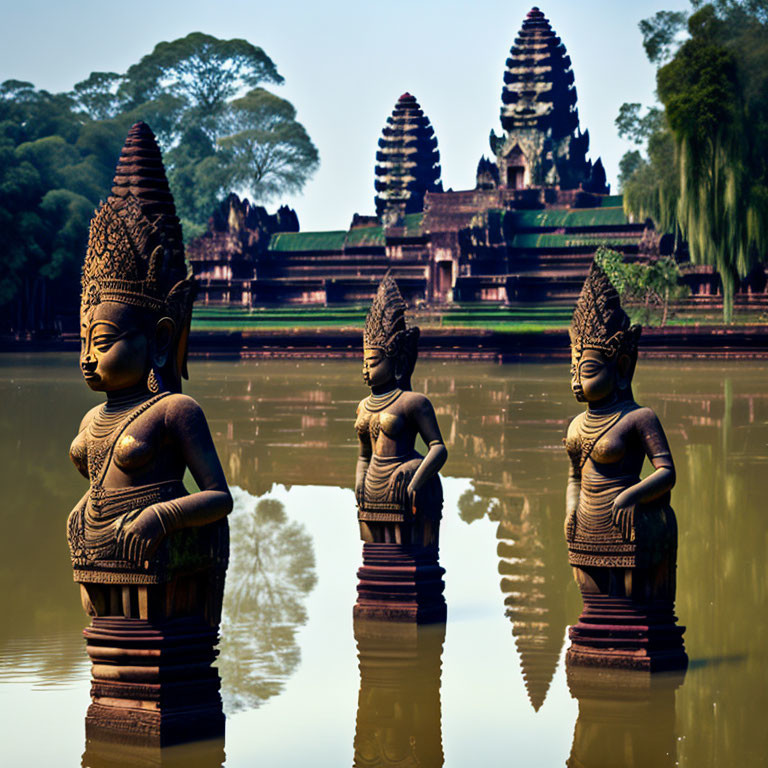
(622,633)
(399,582)
(152,682)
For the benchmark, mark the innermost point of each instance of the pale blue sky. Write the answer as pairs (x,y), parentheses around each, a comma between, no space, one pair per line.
(345,63)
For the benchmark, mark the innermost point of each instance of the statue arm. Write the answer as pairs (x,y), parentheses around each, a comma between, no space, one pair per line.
(659,482)
(573,488)
(426,423)
(186,426)
(363,461)
(655,445)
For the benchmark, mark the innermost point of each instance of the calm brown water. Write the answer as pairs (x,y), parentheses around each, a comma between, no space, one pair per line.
(490,691)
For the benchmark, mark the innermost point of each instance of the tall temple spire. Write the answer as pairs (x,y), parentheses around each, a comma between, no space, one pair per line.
(542,143)
(408,161)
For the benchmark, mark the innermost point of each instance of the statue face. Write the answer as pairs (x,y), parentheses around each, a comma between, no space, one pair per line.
(593,378)
(114,349)
(378,369)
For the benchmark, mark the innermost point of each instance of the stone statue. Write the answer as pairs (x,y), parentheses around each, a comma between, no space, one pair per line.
(150,557)
(621,530)
(398,491)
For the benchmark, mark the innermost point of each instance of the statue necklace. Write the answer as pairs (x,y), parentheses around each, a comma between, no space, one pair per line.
(599,421)
(376,403)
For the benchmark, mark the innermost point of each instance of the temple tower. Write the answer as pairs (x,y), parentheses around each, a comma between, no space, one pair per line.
(408,161)
(542,145)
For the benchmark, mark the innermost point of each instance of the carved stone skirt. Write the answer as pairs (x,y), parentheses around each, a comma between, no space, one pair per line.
(598,542)
(385,491)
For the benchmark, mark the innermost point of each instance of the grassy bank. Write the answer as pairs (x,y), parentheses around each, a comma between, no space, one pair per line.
(515,319)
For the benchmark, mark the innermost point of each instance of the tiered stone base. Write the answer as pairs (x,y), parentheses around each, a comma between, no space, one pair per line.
(152,683)
(620,633)
(399,582)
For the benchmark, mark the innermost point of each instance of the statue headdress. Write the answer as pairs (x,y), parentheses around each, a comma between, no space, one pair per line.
(386,329)
(135,250)
(599,322)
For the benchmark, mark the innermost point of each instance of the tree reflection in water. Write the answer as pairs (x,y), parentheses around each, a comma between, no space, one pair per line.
(271,573)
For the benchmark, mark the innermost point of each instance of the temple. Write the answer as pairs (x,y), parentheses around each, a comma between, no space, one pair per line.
(408,162)
(526,232)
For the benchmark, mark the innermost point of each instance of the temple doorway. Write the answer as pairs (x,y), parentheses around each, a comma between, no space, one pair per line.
(444,279)
(515,176)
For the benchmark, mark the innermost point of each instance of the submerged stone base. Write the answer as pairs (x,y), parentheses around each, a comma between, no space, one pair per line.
(399,582)
(621,633)
(152,683)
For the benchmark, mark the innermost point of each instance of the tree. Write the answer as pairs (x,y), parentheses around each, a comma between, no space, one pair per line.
(706,172)
(268,151)
(643,288)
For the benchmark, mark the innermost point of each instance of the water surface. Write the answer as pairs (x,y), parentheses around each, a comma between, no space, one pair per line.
(491,690)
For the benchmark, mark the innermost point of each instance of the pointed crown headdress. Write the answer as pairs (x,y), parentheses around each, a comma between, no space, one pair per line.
(386,327)
(135,250)
(599,322)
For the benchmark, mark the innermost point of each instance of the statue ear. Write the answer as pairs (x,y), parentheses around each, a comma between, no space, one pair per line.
(623,370)
(164,331)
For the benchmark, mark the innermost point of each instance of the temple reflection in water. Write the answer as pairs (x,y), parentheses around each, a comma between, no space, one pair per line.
(398,711)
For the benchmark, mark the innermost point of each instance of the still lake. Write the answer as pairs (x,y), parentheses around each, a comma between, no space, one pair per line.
(489,691)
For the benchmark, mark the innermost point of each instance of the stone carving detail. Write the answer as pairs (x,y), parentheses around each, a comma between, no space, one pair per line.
(621,531)
(150,558)
(398,491)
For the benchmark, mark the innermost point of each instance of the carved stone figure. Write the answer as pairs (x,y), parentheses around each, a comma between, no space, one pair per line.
(398,491)
(150,558)
(621,530)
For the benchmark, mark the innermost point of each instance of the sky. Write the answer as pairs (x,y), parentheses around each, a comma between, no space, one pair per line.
(346,62)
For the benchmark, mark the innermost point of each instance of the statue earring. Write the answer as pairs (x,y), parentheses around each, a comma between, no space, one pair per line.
(154,382)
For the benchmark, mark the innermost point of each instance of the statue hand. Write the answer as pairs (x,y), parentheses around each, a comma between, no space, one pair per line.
(410,494)
(142,535)
(360,493)
(570,525)
(623,517)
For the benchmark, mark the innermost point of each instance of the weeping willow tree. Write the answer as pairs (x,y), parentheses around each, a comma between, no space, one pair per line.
(706,174)
(718,124)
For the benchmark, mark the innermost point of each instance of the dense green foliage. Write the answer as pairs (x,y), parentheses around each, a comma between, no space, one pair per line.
(219,128)
(646,289)
(705,173)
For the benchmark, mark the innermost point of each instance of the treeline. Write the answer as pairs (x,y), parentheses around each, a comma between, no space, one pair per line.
(702,170)
(220,130)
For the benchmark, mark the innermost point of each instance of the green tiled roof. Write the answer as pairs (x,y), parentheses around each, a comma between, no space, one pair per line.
(361,237)
(365,236)
(579,217)
(308,241)
(612,201)
(413,223)
(569,241)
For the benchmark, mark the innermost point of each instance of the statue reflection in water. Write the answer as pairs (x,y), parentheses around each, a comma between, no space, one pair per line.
(626,718)
(398,710)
